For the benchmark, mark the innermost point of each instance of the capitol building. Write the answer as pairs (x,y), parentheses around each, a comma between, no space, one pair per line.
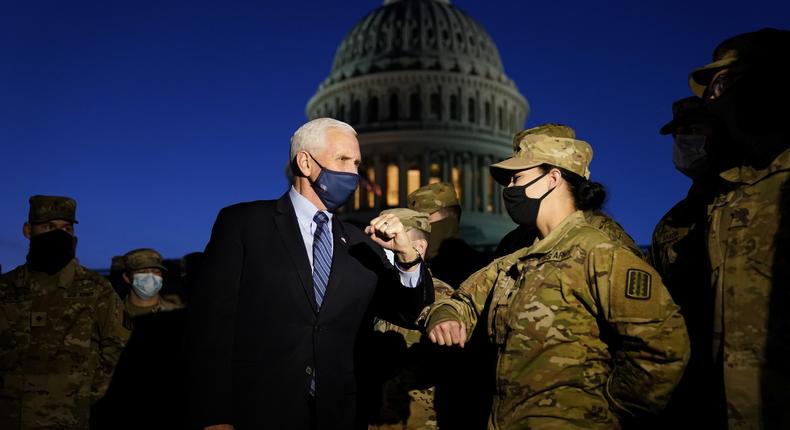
(424,86)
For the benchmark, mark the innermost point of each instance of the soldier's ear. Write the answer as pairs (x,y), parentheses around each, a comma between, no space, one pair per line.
(421,245)
(27,230)
(126,278)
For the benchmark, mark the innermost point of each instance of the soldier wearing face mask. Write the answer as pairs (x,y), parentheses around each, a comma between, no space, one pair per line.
(61,327)
(449,256)
(748,230)
(152,365)
(586,332)
(678,253)
(143,274)
(523,236)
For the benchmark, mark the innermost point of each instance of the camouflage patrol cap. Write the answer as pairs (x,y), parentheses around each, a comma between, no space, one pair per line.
(536,149)
(48,208)
(685,111)
(433,197)
(410,218)
(757,48)
(143,258)
(548,129)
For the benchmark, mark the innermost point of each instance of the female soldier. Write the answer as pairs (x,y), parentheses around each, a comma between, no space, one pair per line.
(586,332)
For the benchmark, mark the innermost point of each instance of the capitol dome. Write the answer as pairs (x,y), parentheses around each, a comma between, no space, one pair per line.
(424,86)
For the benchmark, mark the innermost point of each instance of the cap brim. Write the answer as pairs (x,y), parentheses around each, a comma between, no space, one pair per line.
(701,77)
(503,171)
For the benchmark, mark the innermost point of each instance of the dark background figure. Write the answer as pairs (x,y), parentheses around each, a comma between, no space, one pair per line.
(678,252)
(745,88)
(460,403)
(148,388)
(190,267)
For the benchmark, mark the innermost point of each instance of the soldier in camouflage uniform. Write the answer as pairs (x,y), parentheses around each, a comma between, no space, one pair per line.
(586,331)
(449,256)
(521,237)
(749,225)
(61,327)
(678,252)
(143,275)
(407,396)
(459,404)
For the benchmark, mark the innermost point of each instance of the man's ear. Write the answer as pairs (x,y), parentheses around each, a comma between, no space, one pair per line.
(27,230)
(301,165)
(126,278)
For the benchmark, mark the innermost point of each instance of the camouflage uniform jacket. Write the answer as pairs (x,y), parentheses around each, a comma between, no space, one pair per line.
(415,411)
(164,304)
(749,248)
(585,331)
(60,338)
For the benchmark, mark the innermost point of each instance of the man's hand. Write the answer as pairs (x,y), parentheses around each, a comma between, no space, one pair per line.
(388,231)
(448,333)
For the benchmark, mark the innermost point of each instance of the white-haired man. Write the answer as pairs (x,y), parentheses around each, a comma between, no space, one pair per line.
(284,290)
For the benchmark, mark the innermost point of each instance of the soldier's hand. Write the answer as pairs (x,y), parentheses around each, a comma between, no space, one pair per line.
(448,333)
(219,427)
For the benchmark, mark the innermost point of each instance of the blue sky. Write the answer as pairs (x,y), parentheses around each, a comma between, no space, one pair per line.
(154,115)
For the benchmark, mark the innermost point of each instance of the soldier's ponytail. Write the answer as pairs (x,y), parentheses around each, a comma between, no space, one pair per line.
(587,195)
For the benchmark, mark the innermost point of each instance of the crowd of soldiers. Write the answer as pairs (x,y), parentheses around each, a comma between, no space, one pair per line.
(690,334)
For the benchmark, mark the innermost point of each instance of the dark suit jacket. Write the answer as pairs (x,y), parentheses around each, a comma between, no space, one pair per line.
(255,337)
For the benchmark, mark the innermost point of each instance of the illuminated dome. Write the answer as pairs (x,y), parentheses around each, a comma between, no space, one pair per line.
(424,85)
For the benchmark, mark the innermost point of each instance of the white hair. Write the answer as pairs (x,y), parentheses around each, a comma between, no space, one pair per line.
(310,136)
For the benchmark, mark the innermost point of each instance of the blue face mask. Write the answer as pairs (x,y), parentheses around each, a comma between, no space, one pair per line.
(334,188)
(146,285)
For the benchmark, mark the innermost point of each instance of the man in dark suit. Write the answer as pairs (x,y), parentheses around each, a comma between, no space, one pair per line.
(286,288)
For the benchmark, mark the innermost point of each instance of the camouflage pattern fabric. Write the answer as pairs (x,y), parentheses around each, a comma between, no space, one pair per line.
(535,149)
(407,397)
(678,252)
(143,258)
(167,303)
(60,339)
(522,238)
(749,246)
(586,331)
(433,197)
(48,208)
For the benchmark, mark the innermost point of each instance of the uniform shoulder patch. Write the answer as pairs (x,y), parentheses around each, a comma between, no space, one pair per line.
(639,284)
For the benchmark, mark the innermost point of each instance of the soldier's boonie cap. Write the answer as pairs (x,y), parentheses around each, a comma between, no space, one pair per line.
(687,110)
(143,258)
(410,218)
(433,197)
(48,208)
(536,149)
(762,47)
(548,129)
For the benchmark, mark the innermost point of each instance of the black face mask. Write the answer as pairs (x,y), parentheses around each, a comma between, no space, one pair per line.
(523,210)
(51,251)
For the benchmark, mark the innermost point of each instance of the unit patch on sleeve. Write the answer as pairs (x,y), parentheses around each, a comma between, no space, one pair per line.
(639,283)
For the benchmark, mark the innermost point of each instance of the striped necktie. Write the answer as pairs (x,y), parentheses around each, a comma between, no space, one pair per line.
(322,256)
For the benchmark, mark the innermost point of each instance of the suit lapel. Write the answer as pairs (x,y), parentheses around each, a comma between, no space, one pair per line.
(288,228)
(339,260)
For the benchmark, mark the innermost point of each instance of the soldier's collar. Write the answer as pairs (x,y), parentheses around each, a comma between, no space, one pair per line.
(750,175)
(545,245)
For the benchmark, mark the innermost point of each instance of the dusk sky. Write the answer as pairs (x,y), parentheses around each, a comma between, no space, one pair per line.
(153,115)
